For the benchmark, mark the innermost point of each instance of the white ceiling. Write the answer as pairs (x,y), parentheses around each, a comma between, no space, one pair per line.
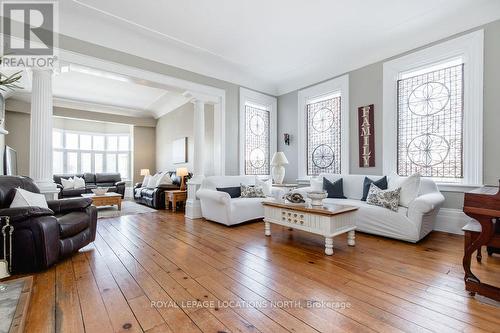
(92,90)
(273,46)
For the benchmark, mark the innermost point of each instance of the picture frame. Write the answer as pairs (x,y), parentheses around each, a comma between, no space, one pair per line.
(179,151)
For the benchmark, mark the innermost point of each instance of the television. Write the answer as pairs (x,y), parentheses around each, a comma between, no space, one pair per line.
(10,161)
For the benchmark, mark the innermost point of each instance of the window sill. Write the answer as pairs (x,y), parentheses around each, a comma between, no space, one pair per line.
(456,187)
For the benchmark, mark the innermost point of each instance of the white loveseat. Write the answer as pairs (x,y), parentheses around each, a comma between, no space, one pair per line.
(410,223)
(219,207)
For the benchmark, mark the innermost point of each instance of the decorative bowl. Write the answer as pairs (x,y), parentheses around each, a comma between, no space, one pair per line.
(100,190)
(317,198)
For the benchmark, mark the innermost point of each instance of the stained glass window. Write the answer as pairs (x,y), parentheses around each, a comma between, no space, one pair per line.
(323,136)
(256,140)
(430,121)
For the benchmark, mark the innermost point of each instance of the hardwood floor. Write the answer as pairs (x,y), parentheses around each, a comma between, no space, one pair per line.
(205,277)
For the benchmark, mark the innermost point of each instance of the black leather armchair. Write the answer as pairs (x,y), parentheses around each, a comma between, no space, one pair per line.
(43,236)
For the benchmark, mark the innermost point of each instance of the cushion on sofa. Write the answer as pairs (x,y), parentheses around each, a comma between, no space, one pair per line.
(334,189)
(234,192)
(384,198)
(74,192)
(250,191)
(380,183)
(410,187)
(72,223)
(24,198)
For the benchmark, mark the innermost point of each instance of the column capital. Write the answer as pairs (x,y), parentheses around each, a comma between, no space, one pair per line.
(196,97)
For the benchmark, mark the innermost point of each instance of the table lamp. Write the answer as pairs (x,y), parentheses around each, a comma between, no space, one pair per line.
(278,171)
(182,172)
(144,172)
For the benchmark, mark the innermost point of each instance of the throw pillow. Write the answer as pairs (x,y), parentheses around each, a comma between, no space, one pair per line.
(381,184)
(234,192)
(25,198)
(249,191)
(146,181)
(384,198)
(409,187)
(266,186)
(153,180)
(164,179)
(68,183)
(79,182)
(335,189)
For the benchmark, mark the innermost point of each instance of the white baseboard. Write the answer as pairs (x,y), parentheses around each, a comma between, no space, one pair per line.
(451,220)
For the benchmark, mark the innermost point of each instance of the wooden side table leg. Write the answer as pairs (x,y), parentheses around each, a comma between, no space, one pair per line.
(174,204)
(119,205)
(328,246)
(351,238)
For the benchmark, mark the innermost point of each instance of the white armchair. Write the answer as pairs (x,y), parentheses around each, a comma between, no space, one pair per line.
(219,207)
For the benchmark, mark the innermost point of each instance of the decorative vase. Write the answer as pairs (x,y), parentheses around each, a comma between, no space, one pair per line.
(317,198)
(278,173)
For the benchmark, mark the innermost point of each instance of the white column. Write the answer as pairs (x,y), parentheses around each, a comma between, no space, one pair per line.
(193,207)
(41,132)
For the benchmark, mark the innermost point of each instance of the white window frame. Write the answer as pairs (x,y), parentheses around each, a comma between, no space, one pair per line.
(267,102)
(341,85)
(470,48)
(92,152)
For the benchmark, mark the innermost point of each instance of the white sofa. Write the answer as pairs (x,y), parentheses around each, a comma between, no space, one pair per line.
(219,207)
(410,223)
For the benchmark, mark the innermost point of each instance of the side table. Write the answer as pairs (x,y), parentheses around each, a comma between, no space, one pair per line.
(174,197)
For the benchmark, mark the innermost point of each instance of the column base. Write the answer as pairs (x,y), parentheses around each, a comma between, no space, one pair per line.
(193,205)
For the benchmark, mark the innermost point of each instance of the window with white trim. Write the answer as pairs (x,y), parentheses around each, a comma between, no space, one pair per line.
(430,121)
(323,135)
(433,111)
(257,141)
(257,132)
(81,152)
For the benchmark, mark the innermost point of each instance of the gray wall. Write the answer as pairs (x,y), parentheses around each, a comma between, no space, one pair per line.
(178,124)
(365,87)
(232,90)
(18,125)
(144,151)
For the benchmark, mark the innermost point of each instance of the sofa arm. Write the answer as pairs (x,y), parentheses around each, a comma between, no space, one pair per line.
(218,196)
(426,203)
(69,205)
(137,185)
(120,183)
(23,213)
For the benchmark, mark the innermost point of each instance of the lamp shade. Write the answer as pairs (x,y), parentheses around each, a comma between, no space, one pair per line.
(144,172)
(181,172)
(279,158)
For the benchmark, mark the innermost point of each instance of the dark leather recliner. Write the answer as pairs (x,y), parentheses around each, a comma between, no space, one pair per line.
(44,236)
(92,180)
(155,197)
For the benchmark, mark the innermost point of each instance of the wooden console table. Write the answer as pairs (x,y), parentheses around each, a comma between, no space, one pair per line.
(107,199)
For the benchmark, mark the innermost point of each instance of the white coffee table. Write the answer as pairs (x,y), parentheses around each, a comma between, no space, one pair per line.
(328,220)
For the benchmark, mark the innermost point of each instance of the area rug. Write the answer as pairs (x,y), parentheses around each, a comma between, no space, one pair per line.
(129,207)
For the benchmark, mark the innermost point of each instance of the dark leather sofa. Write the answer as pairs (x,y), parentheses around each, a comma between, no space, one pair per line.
(44,236)
(111,180)
(155,197)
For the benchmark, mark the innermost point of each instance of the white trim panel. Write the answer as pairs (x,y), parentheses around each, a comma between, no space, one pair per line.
(451,220)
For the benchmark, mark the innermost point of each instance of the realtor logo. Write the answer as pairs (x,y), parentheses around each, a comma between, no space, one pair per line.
(29,33)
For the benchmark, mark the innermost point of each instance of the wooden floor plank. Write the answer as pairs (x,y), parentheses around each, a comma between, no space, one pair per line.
(140,262)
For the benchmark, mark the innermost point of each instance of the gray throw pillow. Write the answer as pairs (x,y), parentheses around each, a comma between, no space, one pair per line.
(384,198)
(249,191)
